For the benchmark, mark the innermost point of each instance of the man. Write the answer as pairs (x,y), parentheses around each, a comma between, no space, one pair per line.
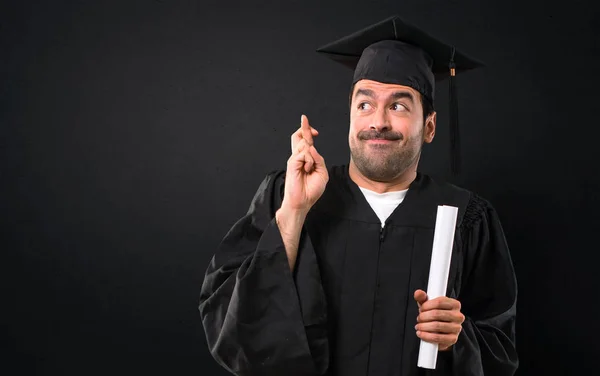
(325,275)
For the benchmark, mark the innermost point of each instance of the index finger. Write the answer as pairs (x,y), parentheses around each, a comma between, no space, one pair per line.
(441,302)
(306,130)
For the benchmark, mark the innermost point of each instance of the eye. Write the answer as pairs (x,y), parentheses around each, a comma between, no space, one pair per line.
(399,107)
(364,106)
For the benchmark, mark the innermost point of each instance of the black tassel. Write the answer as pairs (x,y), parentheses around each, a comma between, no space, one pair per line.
(454,129)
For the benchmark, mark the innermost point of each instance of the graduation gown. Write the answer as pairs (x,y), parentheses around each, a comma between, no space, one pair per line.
(348,307)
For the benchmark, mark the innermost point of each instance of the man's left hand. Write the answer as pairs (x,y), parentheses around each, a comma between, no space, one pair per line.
(439,321)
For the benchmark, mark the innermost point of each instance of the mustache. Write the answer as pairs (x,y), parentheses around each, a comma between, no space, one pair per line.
(376,135)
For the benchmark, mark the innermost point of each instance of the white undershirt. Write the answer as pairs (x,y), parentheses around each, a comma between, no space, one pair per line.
(383,204)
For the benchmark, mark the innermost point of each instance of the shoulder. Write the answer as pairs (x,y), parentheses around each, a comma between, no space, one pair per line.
(473,208)
(273,177)
(270,190)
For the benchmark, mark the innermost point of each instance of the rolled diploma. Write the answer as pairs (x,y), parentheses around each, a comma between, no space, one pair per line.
(443,239)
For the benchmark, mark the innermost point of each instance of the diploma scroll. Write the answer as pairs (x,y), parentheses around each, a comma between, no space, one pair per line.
(443,239)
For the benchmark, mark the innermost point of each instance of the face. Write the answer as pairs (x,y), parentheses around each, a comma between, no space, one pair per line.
(387,129)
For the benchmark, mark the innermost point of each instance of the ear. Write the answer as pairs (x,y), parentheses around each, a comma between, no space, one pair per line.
(429,131)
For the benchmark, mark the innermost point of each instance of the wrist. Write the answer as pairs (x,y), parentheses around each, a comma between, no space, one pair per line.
(290,219)
(291,213)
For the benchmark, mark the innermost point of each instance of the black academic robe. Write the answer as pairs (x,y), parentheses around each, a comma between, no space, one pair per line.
(348,307)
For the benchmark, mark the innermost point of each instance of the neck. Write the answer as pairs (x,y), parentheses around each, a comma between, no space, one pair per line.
(399,183)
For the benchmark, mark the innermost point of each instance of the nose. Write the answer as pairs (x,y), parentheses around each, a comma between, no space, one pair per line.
(381,120)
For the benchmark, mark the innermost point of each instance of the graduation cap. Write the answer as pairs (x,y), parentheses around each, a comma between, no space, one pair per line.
(396,52)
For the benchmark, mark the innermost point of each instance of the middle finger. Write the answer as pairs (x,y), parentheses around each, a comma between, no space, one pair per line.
(306,130)
(439,315)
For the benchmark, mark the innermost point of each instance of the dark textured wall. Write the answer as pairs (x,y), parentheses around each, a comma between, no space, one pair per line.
(134,133)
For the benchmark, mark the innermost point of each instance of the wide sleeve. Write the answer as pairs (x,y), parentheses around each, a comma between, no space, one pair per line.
(260,318)
(488,294)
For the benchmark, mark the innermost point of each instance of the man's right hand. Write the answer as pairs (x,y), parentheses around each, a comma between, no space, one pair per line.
(305,180)
(306,175)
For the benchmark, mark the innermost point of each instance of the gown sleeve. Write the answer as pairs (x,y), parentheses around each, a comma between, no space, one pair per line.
(488,296)
(260,318)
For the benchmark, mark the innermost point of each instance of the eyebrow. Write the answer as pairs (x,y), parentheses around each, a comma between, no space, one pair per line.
(403,94)
(365,92)
(395,95)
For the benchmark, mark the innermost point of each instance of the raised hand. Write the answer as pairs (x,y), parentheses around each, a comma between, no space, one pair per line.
(306,175)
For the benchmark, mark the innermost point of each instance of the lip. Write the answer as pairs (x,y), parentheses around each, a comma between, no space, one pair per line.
(379,141)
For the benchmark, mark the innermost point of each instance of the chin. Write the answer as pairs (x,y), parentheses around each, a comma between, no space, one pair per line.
(379,172)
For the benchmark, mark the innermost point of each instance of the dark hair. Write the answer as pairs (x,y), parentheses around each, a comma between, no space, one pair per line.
(428,108)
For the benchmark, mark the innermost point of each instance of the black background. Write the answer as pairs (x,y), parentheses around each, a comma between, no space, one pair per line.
(134,133)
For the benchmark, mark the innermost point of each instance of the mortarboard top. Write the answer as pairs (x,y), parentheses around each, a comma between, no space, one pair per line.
(396,52)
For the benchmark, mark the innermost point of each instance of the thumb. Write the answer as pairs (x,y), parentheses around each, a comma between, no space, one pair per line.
(420,297)
(318,158)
